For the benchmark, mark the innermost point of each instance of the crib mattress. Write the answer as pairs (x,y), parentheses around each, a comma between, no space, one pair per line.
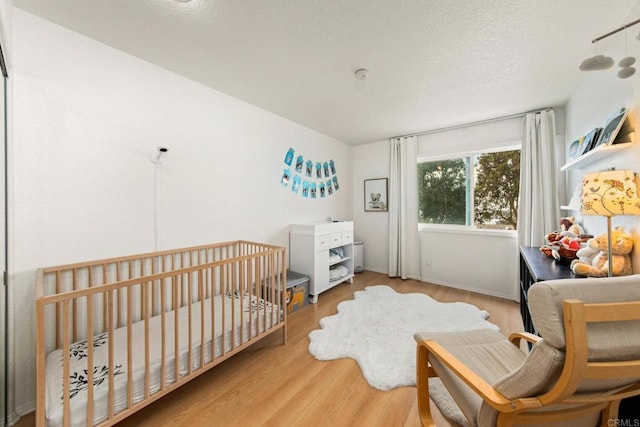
(248,311)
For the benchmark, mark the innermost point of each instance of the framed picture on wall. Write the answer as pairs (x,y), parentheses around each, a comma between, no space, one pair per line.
(612,127)
(375,195)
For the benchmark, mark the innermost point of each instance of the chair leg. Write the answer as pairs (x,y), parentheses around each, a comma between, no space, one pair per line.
(422,382)
(610,414)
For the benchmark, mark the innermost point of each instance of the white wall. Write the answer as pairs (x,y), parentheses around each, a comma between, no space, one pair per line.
(600,94)
(482,261)
(469,139)
(371,228)
(442,251)
(86,121)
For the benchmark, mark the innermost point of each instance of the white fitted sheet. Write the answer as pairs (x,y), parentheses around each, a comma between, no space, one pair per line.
(248,311)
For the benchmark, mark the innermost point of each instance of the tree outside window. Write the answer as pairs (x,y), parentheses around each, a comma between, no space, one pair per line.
(442,188)
(479,190)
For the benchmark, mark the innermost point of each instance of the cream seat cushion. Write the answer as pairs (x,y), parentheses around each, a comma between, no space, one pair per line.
(485,351)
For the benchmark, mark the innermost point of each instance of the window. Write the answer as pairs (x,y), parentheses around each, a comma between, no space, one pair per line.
(479,190)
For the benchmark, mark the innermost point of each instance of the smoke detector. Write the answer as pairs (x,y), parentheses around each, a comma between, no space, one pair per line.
(361,74)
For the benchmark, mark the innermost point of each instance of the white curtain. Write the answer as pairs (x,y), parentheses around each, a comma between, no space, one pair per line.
(540,180)
(403,208)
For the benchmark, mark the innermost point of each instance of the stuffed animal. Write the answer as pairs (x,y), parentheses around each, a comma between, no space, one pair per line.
(568,224)
(621,247)
(587,252)
(563,244)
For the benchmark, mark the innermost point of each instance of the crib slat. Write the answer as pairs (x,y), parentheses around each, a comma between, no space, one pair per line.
(264,271)
(89,360)
(209,282)
(176,329)
(110,349)
(202,310)
(272,279)
(223,309)
(182,292)
(190,319)
(59,318)
(213,316)
(252,283)
(74,305)
(66,352)
(152,308)
(243,288)
(129,349)
(105,279)
(163,338)
(141,289)
(233,304)
(147,353)
(258,291)
(118,296)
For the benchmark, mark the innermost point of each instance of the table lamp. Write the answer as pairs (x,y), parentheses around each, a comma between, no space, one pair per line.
(608,194)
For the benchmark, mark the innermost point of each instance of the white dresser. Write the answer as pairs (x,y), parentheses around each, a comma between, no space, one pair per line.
(310,253)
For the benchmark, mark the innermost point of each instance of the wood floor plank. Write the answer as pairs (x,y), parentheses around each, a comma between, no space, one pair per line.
(271,384)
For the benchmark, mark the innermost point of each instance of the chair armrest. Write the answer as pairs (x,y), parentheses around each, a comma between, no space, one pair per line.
(485,390)
(516,337)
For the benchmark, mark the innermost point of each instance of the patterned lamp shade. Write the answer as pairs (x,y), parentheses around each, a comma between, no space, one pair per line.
(610,193)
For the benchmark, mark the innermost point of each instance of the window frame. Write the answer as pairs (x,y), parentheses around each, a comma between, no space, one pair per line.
(469,194)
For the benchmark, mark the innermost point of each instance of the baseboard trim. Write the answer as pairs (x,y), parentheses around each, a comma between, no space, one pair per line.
(26,409)
(13,419)
(469,289)
(376,270)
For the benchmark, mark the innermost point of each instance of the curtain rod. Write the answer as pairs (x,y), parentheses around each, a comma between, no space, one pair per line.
(479,122)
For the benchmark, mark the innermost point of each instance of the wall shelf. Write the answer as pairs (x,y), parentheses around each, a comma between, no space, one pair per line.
(596,154)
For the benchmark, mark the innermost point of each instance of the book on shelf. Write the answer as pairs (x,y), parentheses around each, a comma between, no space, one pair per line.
(622,139)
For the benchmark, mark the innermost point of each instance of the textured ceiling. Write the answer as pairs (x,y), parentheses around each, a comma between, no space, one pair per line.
(431,63)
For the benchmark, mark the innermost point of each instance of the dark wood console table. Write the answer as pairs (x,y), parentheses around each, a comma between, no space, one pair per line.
(536,267)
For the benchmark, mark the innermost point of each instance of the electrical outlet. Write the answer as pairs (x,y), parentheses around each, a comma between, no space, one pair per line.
(428,262)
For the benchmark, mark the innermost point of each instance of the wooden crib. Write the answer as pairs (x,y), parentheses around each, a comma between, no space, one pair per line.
(147,324)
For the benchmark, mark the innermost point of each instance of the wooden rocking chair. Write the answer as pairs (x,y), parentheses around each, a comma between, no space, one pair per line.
(585,361)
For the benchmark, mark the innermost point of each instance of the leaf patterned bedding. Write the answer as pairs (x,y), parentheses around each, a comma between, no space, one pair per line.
(247,310)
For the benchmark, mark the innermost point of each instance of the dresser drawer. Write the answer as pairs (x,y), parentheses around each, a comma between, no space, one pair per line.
(322,242)
(347,237)
(335,240)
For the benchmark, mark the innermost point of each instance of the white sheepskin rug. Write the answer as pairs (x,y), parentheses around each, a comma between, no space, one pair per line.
(376,329)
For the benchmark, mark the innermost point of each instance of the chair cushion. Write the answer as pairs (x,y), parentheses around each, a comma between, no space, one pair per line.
(545,303)
(485,351)
(537,374)
(610,341)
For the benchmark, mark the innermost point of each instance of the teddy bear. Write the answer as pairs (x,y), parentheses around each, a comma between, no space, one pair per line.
(568,224)
(621,247)
(588,251)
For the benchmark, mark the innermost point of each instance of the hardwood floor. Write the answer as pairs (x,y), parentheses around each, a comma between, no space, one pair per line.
(271,384)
